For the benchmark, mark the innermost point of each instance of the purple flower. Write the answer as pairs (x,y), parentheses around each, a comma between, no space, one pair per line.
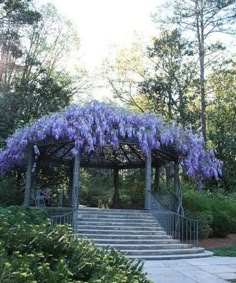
(97,124)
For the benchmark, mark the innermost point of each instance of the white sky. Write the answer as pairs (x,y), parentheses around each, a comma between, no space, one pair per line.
(103,23)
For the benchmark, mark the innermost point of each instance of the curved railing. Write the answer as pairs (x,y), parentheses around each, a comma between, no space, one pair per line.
(179,227)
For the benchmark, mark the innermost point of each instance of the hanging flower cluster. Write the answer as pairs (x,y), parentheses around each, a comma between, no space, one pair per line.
(99,124)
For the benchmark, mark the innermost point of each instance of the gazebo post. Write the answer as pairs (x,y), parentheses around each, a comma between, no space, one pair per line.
(148,180)
(157,178)
(75,190)
(179,208)
(28,177)
(116,195)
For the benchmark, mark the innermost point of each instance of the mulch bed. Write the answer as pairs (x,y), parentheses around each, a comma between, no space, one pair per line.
(229,241)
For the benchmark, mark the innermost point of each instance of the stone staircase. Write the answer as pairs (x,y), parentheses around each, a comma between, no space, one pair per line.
(134,232)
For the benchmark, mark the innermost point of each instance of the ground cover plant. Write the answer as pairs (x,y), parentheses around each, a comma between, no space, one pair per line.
(32,251)
(226,251)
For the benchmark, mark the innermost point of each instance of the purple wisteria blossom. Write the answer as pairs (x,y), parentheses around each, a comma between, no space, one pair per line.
(97,124)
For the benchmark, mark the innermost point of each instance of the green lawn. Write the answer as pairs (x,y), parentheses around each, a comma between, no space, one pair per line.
(230,251)
(232,281)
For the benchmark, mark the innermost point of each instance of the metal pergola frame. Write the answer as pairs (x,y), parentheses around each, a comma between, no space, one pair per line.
(126,155)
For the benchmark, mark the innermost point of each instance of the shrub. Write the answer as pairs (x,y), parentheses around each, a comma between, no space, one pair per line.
(221,224)
(16,215)
(39,253)
(218,209)
(204,224)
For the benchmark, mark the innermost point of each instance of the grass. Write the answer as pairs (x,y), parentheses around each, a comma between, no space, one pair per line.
(232,281)
(229,251)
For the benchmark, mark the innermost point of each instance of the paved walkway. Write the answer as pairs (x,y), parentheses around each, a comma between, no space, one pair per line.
(201,270)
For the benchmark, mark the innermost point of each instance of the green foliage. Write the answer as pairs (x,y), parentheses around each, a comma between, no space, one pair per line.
(168,88)
(97,187)
(9,191)
(31,83)
(230,251)
(17,215)
(215,210)
(221,224)
(32,251)
(221,118)
(204,226)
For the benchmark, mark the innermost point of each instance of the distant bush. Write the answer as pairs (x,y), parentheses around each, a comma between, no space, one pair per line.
(204,225)
(213,209)
(221,225)
(32,251)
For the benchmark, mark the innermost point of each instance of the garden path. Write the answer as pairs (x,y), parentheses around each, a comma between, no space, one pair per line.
(201,270)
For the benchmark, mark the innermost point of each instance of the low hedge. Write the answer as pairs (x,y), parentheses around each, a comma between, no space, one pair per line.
(32,251)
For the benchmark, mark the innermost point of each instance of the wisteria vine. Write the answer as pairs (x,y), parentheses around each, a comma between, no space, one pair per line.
(99,124)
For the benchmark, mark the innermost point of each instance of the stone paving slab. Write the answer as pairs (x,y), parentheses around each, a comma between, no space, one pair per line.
(205,270)
(212,260)
(218,268)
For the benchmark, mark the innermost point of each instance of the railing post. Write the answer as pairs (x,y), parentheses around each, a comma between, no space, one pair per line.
(148,180)
(197,234)
(28,176)
(75,190)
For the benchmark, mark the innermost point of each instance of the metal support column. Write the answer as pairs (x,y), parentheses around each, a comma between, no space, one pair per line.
(28,177)
(148,180)
(157,179)
(116,195)
(179,208)
(75,190)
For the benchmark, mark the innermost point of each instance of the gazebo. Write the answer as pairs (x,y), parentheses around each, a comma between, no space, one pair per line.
(98,135)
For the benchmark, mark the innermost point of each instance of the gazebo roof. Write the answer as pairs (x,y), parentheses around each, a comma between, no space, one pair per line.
(109,136)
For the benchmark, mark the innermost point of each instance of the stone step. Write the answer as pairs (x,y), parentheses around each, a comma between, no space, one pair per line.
(115,210)
(147,241)
(108,212)
(173,256)
(81,230)
(115,228)
(147,247)
(117,219)
(144,253)
(116,216)
(135,233)
(133,237)
(122,218)
(119,224)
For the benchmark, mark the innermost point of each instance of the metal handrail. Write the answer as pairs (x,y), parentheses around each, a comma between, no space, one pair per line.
(62,219)
(178,226)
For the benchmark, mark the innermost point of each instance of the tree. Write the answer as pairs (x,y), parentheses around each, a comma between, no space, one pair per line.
(222,117)
(32,82)
(123,70)
(202,18)
(15,17)
(168,86)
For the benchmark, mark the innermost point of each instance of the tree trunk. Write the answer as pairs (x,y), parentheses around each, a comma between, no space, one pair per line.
(201,54)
